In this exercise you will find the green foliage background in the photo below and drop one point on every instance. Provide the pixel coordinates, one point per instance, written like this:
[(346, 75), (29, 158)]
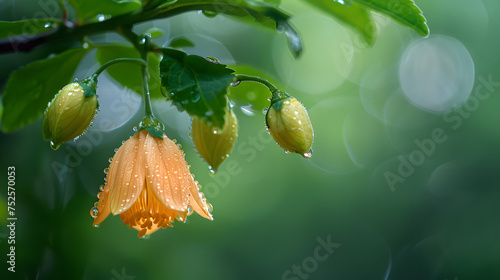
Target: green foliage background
[(270, 208)]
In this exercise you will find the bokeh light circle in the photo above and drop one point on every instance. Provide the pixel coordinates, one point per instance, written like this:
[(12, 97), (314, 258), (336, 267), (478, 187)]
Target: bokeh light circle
[(324, 62), (437, 74)]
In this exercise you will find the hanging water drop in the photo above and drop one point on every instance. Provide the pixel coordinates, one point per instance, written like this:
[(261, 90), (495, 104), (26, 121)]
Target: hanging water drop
[(212, 171), (110, 160), (308, 154), (99, 194), (287, 152), (146, 236), (210, 208), (106, 170), (235, 84), (101, 187), (189, 211), (264, 111), (94, 212), (179, 146), (134, 128)]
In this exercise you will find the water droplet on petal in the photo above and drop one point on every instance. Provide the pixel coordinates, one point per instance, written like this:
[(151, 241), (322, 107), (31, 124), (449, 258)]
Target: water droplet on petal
[(99, 194), (210, 208), (264, 111), (106, 170), (235, 84), (146, 236), (134, 128), (94, 212), (287, 152), (190, 211), (307, 155)]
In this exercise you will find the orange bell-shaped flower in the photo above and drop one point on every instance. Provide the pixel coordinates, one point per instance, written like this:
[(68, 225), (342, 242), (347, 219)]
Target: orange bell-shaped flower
[(149, 185)]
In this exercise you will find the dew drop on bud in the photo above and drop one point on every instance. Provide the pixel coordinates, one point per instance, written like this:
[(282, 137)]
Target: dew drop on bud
[(212, 171), (94, 212), (307, 155), (179, 146), (235, 84), (269, 99), (98, 225), (264, 111), (110, 160), (287, 152), (115, 150), (99, 194), (106, 170), (135, 128)]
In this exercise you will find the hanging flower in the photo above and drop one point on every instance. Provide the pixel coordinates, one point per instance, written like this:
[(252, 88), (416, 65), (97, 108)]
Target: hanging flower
[(149, 185)]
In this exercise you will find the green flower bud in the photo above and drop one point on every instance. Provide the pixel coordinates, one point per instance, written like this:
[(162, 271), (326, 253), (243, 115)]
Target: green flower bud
[(70, 112), (289, 124), (214, 144)]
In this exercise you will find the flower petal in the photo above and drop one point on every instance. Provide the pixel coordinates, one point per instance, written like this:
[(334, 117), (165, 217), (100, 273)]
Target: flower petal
[(167, 173), (198, 204), (127, 173)]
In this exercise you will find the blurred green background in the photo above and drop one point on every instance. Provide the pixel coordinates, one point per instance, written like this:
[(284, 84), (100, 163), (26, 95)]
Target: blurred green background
[(437, 217)]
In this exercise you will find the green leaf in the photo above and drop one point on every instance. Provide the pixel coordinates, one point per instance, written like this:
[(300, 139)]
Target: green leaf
[(196, 85), (29, 90), (27, 27), (129, 75), (261, 12), (88, 10), (404, 12), (354, 15)]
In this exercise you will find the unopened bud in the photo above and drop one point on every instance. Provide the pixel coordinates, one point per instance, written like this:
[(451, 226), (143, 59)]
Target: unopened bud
[(215, 144), (70, 112), (289, 124)]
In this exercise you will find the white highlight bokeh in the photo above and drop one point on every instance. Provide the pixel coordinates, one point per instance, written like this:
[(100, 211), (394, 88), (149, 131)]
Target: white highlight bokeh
[(437, 74)]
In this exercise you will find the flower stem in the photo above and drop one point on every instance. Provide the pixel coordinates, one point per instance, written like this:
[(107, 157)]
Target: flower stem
[(143, 47), (120, 60), (245, 78)]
